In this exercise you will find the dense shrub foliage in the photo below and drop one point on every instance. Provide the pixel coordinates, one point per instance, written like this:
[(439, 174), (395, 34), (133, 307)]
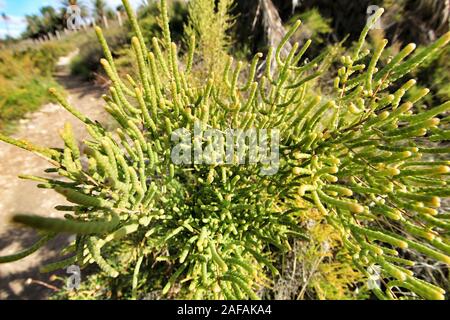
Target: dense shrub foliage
[(358, 156), (85, 64)]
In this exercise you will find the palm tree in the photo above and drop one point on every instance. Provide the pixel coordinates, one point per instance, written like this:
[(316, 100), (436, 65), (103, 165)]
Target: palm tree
[(99, 9), (51, 21), (35, 26)]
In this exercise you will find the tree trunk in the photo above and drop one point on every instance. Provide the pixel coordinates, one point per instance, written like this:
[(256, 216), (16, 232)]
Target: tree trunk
[(273, 25)]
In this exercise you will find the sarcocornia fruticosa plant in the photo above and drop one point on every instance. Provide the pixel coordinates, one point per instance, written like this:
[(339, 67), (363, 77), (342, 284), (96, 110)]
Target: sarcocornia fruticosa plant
[(361, 154)]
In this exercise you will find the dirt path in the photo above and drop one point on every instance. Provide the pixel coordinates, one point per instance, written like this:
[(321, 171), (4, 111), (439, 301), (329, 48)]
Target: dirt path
[(20, 196)]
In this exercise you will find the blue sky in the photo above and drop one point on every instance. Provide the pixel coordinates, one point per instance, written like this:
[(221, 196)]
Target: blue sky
[(17, 9)]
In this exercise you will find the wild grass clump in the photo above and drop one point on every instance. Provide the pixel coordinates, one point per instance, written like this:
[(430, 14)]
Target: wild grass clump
[(25, 78)]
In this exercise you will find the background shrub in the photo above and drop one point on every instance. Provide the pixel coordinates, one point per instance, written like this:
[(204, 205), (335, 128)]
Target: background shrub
[(25, 78)]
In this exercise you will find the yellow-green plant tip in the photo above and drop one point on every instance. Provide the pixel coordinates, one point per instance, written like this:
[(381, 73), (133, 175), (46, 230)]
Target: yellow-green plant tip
[(26, 252), (435, 202), (393, 171), (356, 208), (442, 169), (446, 37)]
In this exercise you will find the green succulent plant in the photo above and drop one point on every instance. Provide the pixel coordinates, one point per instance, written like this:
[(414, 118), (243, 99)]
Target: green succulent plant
[(359, 156)]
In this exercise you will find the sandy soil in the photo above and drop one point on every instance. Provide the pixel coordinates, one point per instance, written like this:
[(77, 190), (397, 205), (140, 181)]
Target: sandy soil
[(20, 280)]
